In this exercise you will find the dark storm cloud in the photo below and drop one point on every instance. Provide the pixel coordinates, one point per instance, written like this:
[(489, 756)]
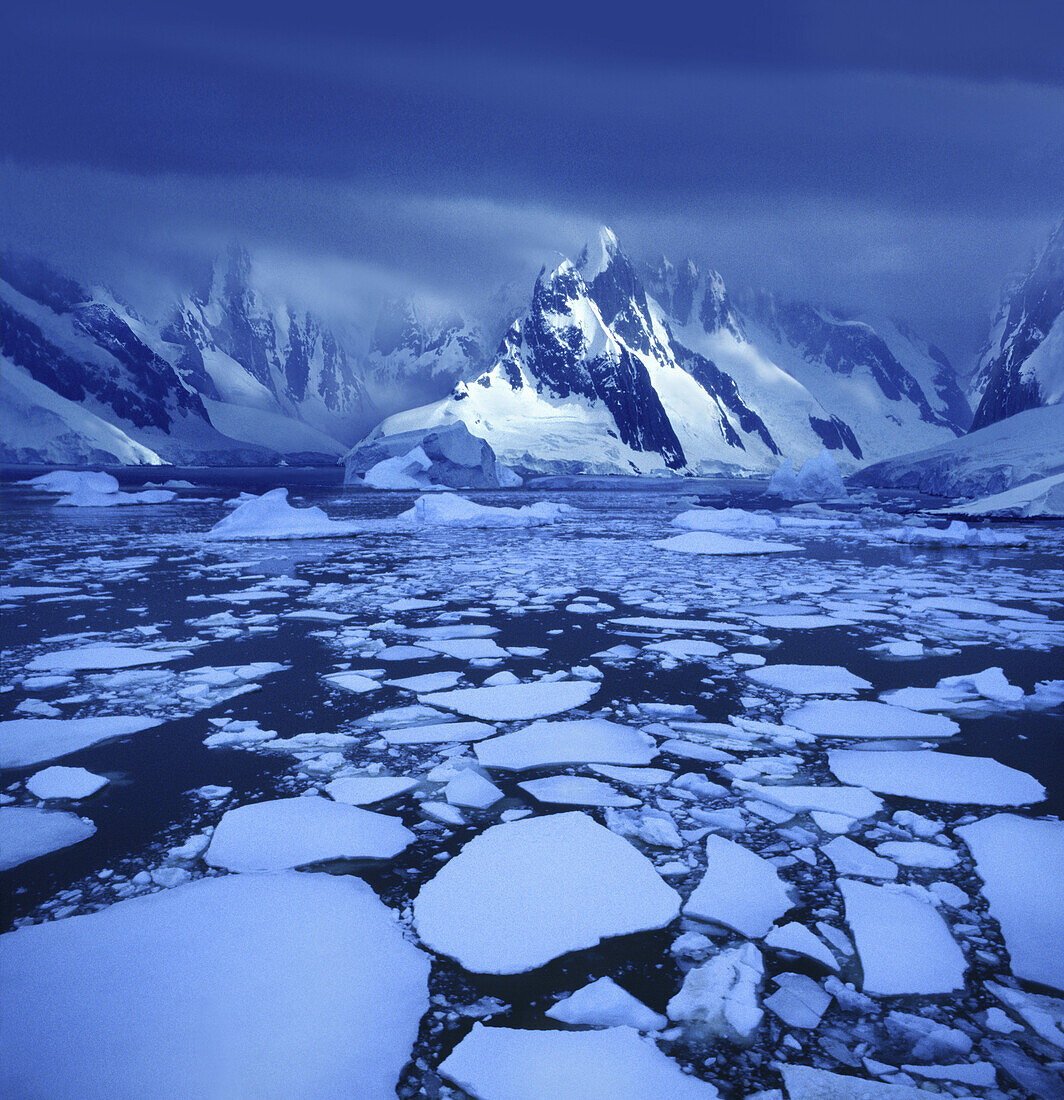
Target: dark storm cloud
[(905, 156)]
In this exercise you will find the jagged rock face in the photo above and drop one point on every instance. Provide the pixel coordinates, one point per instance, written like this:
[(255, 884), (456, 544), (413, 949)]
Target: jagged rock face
[(1022, 365), (88, 351), (569, 349), (292, 356), (414, 357)]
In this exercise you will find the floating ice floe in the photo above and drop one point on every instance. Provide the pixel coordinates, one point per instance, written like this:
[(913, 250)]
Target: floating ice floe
[(1021, 862), (918, 853), (525, 892), (808, 1083), (516, 702), (977, 693), (617, 1063), (73, 481), (956, 534), (685, 649), (849, 802), (853, 719), (471, 790), (850, 858), (27, 832), (578, 741), (903, 943), (364, 790), (26, 741), (270, 516), (296, 832), (719, 998), (101, 656), (576, 790), (452, 510), (712, 542), (634, 777), (818, 479), (244, 951), (799, 1001), (797, 939), (604, 1003), (934, 776), (439, 732), (725, 519), (808, 679), (354, 682), (1041, 498), (432, 681), (60, 782), (739, 890)]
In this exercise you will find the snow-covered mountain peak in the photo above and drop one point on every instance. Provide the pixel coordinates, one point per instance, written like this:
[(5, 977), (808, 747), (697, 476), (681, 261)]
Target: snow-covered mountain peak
[(598, 254)]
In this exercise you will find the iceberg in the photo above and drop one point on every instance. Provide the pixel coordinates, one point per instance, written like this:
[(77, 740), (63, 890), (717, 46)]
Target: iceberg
[(452, 510), (270, 516)]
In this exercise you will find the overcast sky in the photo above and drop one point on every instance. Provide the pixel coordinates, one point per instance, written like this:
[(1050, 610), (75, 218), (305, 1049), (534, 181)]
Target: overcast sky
[(905, 157)]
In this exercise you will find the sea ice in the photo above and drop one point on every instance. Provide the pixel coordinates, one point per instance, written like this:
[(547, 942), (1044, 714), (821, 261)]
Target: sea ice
[(818, 479), (1021, 862), (577, 741), (517, 702), (576, 790), (918, 853), (799, 1001), (525, 892), (808, 1083), (604, 1003), (270, 516), (353, 682), (903, 943), (798, 939), (617, 1063), (850, 858), (711, 542), (471, 790), (26, 741), (439, 732), (635, 777), (295, 832), (725, 519), (935, 776), (851, 802), (808, 679), (719, 998), (273, 986), (95, 657), (27, 832), (364, 790), (853, 719), (60, 782), (740, 890), (452, 510)]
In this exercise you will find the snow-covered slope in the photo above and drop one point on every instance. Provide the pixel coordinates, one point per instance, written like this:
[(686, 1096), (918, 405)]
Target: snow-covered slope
[(1022, 365), (1021, 449), (235, 347), (95, 389), (613, 372), (590, 380)]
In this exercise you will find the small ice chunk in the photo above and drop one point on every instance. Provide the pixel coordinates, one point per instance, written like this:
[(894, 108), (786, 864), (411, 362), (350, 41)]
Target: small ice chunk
[(27, 832), (515, 702), (604, 1003), (798, 939), (576, 741), (576, 790), (525, 892), (617, 1063), (918, 853), (635, 777), (808, 679), (364, 790), (740, 890), (850, 858), (710, 542), (799, 1001), (852, 802), (719, 998), (903, 943), (295, 832), (856, 719), (60, 782), (935, 776), (980, 1074), (353, 682), (471, 790), (438, 732), (808, 1083)]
